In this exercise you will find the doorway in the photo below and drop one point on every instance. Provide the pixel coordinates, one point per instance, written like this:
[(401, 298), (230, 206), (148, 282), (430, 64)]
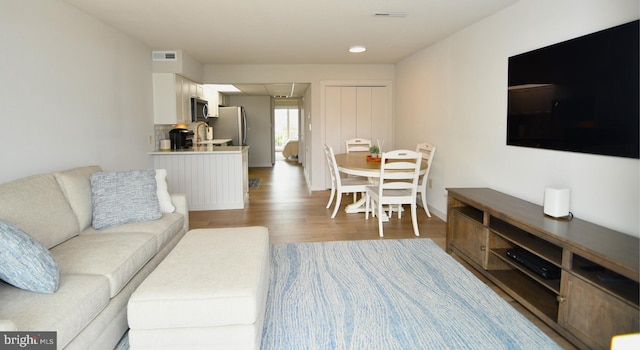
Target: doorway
[(286, 128)]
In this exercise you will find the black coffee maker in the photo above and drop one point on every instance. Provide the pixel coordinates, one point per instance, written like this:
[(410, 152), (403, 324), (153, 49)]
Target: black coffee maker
[(181, 138)]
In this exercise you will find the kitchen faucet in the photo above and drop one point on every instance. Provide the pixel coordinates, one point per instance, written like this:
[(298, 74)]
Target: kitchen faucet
[(198, 128)]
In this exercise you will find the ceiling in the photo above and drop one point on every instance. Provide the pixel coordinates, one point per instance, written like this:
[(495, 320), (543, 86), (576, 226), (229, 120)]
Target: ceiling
[(288, 90), (290, 31)]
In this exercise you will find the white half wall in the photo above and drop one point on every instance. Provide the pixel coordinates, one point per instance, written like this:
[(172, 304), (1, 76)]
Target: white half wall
[(75, 92), (454, 94)]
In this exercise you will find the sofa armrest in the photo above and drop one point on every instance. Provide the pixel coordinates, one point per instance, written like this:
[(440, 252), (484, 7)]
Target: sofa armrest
[(180, 202)]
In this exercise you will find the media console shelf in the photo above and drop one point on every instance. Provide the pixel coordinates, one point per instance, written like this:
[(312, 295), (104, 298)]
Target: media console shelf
[(588, 290)]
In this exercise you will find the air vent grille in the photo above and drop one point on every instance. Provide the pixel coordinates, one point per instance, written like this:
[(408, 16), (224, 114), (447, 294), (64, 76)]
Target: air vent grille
[(390, 14), (164, 56)]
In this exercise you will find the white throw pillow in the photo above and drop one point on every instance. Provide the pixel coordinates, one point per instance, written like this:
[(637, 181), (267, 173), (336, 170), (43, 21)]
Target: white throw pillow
[(166, 206)]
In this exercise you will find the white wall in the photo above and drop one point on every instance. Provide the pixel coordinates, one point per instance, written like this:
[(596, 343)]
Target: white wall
[(306, 137), (314, 161), (454, 94), (75, 92)]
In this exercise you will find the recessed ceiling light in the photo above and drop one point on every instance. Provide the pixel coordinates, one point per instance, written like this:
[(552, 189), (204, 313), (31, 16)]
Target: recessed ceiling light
[(357, 49)]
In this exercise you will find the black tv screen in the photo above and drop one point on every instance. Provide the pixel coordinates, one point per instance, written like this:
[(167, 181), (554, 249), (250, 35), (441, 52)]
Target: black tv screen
[(580, 95)]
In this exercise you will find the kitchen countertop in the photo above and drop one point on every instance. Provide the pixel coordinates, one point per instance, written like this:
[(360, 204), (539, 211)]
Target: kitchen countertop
[(202, 149), (215, 142)]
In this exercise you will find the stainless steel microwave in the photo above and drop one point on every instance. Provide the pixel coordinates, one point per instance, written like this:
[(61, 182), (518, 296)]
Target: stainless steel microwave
[(199, 110)]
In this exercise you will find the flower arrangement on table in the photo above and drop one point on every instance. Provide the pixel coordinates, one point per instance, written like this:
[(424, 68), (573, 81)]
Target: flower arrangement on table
[(375, 154)]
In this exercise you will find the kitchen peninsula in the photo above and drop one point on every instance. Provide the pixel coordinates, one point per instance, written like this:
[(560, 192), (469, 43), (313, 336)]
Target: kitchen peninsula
[(212, 177)]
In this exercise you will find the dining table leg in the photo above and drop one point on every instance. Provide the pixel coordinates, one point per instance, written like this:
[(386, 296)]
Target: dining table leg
[(360, 207)]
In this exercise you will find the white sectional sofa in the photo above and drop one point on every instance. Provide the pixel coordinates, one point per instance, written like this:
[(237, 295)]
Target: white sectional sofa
[(98, 269)]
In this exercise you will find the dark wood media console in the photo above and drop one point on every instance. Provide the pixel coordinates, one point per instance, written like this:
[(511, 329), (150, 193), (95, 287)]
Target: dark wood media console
[(597, 294)]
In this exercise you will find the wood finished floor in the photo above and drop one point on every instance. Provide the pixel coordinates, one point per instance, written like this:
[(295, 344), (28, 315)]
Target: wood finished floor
[(292, 213)]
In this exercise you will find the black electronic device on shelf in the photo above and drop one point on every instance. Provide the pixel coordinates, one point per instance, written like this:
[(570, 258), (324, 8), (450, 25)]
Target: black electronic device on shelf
[(534, 263)]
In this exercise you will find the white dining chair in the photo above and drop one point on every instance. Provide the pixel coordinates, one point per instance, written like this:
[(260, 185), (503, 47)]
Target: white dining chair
[(340, 185), (428, 152), (398, 183), (358, 145)]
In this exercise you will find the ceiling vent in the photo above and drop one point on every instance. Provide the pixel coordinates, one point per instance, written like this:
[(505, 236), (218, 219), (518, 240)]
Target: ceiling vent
[(390, 14), (164, 56)]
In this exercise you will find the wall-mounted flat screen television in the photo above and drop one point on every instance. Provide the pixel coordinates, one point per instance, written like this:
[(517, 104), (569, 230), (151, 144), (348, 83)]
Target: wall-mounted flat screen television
[(580, 95)]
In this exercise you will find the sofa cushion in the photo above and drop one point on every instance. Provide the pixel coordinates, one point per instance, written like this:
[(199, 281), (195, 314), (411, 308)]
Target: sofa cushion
[(164, 229), (25, 263), (124, 197), (166, 206), (38, 207), (78, 300), (76, 186), (117, 256)]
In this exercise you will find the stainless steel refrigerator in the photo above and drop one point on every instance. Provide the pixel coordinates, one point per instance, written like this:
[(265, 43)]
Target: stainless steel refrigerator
[(231, 123)]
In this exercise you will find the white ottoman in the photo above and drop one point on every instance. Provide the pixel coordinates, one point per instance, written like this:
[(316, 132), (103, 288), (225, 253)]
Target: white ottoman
[(209, 293)]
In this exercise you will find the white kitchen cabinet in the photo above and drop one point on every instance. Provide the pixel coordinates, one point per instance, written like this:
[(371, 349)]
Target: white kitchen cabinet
[(199, 91), (167, 99), (172, 98), (212, 96), (195, 89), (185, 98), (223, 100)]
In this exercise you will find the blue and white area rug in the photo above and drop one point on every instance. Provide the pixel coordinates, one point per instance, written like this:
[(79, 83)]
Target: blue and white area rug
[(386, 294)]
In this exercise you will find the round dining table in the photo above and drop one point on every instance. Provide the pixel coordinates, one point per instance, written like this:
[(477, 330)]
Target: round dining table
[(357, 163)]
